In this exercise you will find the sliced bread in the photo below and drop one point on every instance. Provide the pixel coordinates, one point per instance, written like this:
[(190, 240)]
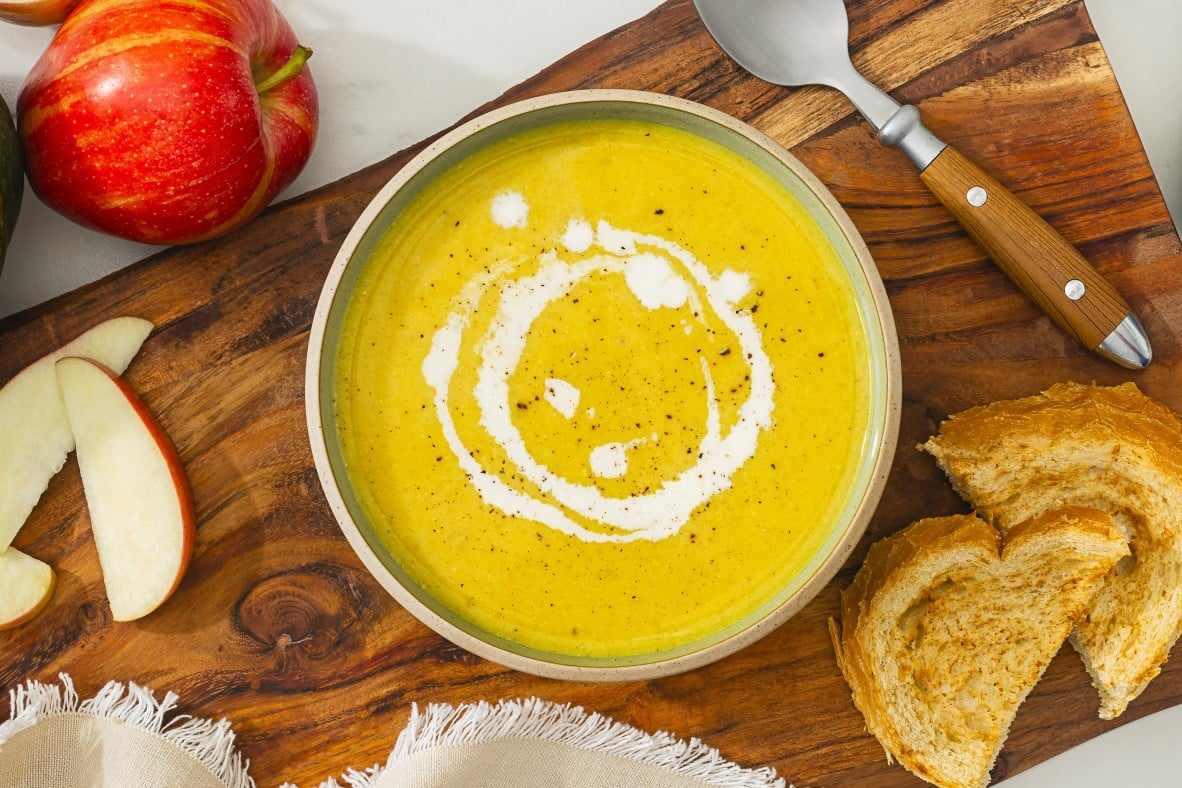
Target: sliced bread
[(948, 625), (1111, 448)]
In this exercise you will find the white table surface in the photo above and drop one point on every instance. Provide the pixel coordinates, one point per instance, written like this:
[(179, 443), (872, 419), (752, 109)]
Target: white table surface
[(391, 72)]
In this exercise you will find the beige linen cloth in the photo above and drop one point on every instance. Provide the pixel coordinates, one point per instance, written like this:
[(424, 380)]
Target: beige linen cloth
[(124, 737)]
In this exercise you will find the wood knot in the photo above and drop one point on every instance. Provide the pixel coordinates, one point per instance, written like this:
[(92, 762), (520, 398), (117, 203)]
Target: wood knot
[(91, 616), (304, 613)]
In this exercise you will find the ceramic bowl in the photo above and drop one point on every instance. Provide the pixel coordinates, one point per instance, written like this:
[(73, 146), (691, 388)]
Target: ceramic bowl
[(882, 373)]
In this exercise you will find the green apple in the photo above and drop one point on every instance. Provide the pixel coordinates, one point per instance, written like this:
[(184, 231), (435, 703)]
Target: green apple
[(12, 178)]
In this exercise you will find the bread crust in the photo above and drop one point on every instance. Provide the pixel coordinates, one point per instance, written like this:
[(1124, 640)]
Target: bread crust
[(1057, 560), (1109, 447)]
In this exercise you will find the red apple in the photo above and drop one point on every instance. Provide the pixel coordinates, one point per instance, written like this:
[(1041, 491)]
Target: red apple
[(167, 122), (26, 586), (35, 12), (35, 430), (140, 504)]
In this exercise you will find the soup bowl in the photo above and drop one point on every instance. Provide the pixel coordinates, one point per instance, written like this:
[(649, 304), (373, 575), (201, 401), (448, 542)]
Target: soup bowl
[(735, 398)]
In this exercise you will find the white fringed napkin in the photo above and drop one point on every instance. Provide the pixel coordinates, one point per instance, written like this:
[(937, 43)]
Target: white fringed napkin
[(120, 737), (117, 738)]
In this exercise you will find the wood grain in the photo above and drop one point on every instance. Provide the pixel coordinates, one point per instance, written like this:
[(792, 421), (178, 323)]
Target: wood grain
[(279, 628)]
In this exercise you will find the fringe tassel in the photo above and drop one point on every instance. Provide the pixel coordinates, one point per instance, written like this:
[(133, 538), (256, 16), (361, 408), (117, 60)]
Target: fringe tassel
[(210, 743), (442, 725), (439, 725), (354, 778)]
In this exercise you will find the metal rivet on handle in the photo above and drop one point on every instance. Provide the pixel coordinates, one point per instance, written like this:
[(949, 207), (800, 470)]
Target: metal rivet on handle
[(976, 196), (1074, 289)]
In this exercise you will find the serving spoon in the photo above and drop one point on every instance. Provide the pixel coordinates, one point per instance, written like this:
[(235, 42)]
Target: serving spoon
[(805, 42)]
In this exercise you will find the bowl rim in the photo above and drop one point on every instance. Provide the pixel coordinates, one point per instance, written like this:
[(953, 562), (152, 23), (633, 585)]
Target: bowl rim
[(884, 445)]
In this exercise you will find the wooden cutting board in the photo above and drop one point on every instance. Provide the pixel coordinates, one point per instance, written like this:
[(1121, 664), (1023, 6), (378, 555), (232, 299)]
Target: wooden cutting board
[(278, 627)]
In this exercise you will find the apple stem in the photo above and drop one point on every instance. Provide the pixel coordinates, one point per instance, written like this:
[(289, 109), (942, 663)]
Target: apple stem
[(293, 66)]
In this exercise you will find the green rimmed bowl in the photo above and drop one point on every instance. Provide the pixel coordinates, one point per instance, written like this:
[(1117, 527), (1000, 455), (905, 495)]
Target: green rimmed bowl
[(877, 335)]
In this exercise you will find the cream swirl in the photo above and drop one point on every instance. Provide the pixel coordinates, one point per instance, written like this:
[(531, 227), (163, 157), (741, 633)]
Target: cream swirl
[(660, 274)]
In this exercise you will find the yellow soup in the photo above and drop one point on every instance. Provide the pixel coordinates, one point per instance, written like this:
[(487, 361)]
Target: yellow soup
[(602, 389)]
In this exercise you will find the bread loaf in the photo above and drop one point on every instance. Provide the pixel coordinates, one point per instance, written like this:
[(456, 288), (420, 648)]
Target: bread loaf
[(1111, 448), (948, 625)]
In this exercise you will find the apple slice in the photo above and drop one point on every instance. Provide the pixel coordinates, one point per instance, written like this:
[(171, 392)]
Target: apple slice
[(36, 433), (141, 508), (36, 12), (26, 585)]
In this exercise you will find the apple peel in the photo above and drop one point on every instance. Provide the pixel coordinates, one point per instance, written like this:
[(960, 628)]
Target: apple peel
[(36, 13), (37, 436), (140, 503)]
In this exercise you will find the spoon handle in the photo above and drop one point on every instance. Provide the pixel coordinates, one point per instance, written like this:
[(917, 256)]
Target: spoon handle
[(1036, 257)]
